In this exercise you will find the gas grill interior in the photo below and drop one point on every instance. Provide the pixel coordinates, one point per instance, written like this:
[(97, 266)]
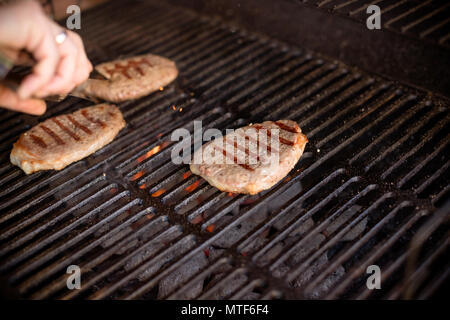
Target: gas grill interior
[(372, 187)]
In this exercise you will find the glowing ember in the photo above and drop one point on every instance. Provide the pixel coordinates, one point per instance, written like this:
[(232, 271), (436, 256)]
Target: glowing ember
[(174, 108), (287, 179), (137, 175), (231, 194), (206, 252), (181, 109), (142, 186), (210, 228), (149, 216), (161, 88), (113, 190), (187, 174), (193, 186), (152, 151), (197, 219), (158, 193), (159, 135)]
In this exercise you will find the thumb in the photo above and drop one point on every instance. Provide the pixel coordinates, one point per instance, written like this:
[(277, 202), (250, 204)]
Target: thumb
[(10, 100)]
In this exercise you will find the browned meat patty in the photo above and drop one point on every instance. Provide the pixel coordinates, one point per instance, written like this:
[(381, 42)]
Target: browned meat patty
[(248, 167), (59, 141), (129, 78)]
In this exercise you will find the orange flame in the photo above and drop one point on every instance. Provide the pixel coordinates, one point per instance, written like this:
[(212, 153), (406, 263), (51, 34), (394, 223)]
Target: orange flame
[(158, 193), (152, 151), (187, 174), (193, 186), (137, 175), (210, 228)]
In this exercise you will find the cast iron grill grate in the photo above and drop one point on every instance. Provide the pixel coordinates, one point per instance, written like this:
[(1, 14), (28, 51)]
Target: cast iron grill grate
[(374, 173), (428, 20)]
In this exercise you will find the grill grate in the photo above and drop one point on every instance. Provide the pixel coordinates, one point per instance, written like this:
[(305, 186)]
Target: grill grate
[(428, 20), (374, 173)]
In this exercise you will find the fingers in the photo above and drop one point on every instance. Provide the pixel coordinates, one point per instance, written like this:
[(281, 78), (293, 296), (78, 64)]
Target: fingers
[(46, 53), (59, 67), (73, 67), (23, 25), (10, 100), (62, 81), (84, 66)]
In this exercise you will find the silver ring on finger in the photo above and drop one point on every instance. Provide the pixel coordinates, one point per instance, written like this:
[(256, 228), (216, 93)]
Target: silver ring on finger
[(61, 37)]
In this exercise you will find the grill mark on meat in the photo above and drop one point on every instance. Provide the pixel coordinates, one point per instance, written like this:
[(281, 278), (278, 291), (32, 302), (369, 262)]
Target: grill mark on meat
[(285, 127), (285, 147), (247, 141), (234, 159), (89, 118), (145, 60), (136, 65), (66, 130), (49, 145), (78, 125), (244, 149), (269, 134), (130, 64), (247, 152), (285, 141), (38, 141), (269, 148), (118, 68), (53, 135)]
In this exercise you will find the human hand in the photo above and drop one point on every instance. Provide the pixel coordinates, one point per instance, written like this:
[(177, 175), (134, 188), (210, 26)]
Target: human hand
[(59, 67)]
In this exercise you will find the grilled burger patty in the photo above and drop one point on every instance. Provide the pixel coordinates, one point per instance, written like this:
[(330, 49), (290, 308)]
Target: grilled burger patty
[(129, 78), (59, 141), (238, 174)]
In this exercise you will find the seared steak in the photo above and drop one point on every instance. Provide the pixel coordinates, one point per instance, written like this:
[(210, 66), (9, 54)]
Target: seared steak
[(129, 78), (59, 141), (246, 162)]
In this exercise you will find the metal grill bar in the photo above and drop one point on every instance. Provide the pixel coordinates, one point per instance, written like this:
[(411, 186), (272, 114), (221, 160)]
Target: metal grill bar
[(141, 227), (425, 19)]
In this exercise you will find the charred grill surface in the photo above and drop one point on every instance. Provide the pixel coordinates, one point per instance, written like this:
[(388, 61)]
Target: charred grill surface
[(427, 20), (371, 187), (411, 46)]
